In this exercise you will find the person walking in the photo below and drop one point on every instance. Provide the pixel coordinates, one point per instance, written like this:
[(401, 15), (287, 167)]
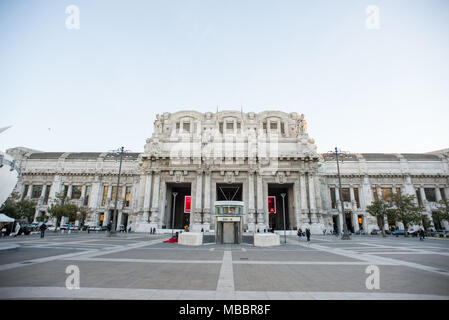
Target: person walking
[(308, 234), (421, 234), (299, 234), (43, 227)]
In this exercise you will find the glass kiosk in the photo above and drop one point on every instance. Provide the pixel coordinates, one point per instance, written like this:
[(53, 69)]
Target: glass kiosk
[(228, 221)]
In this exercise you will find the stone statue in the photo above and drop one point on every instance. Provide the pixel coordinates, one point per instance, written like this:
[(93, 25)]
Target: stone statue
[(301, 124), (158, 125)]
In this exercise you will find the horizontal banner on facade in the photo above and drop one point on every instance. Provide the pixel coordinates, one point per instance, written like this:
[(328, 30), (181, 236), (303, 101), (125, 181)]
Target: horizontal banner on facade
[(228, 219)]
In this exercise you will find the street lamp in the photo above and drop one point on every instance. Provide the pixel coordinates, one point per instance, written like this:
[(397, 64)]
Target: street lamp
[(173, 217), (337, 152), (283, 212), (121, 152)]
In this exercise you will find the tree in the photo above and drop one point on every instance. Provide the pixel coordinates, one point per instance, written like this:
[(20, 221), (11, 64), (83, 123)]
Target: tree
[(19, 209), (380, 209), (83, 212), (443, 210), (62, 209), (406, 210)]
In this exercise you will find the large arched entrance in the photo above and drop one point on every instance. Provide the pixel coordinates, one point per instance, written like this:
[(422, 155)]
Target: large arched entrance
[(181, 207)]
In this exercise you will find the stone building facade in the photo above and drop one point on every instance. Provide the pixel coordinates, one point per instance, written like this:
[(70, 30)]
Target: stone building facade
[(267, 160)]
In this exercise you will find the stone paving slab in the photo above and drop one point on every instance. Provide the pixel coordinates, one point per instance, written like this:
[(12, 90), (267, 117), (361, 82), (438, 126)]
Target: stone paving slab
[(433, 260), (24, 254), (336, 278), (116, 275), (166, 254), (290, 256)]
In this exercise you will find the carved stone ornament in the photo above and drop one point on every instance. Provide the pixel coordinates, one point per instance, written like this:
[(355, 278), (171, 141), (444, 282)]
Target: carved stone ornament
[(229, 177), (179, 177), (280, 178), (155, 148)]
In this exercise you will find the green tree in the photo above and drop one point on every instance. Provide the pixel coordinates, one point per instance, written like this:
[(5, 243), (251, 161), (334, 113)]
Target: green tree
[(61, 209), (19, 209), (406, 210), (443, 210), (83, 212), (380, 209)]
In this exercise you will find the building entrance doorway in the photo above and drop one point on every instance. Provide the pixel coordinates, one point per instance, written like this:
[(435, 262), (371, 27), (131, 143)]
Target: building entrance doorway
[(181, 206), (335, 224), (275, 206), (348, 220)]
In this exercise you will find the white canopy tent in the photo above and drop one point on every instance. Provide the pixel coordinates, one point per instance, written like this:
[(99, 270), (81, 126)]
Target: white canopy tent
[(4, 218)]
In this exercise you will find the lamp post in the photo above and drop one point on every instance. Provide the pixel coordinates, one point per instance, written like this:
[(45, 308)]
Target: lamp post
[(173, 217), (283, 212), (115, 154), (345, 235)]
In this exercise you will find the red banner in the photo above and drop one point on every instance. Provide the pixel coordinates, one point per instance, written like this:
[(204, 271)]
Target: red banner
[(187, 201), (272, 204)]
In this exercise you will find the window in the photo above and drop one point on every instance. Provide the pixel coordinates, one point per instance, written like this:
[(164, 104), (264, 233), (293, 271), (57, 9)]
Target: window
[(386, 193), (76, 192), (273, 125), (177, 127), (47, 194), (282, 128), (333, 199), (105, 195), (239, 126), (36, 191), (443, 194), (220, 127), (356, 196), (264, 127), (345, 194), (229, 125), (430, 194), (186, 126), (114, 191), (128, 196)]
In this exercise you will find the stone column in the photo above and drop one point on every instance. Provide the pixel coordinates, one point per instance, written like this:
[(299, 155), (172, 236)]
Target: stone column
[(28, 195), (296, 199), (260, 200), (198, 202), (312, 199), (353, 203), (106, 217), (69, 191), (303, 194), (119, 220), (155, 200), (355, 222), (438, 194), (207, 209), (423, 195), (251, 209), (147, 196)]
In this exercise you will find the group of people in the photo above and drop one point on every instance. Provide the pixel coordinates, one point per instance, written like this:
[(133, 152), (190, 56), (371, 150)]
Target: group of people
[(301, 234)]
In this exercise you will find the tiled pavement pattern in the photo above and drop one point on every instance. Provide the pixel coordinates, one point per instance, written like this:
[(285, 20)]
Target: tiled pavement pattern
[(135, 266)]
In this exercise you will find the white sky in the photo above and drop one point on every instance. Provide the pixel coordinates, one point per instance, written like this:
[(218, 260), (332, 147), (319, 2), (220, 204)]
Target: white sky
[(100, 87)]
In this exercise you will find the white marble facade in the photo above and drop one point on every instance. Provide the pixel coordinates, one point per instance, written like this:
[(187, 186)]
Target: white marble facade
[(254, 151)]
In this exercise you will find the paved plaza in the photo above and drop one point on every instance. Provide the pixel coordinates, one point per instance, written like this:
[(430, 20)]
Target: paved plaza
[(138, 266)]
